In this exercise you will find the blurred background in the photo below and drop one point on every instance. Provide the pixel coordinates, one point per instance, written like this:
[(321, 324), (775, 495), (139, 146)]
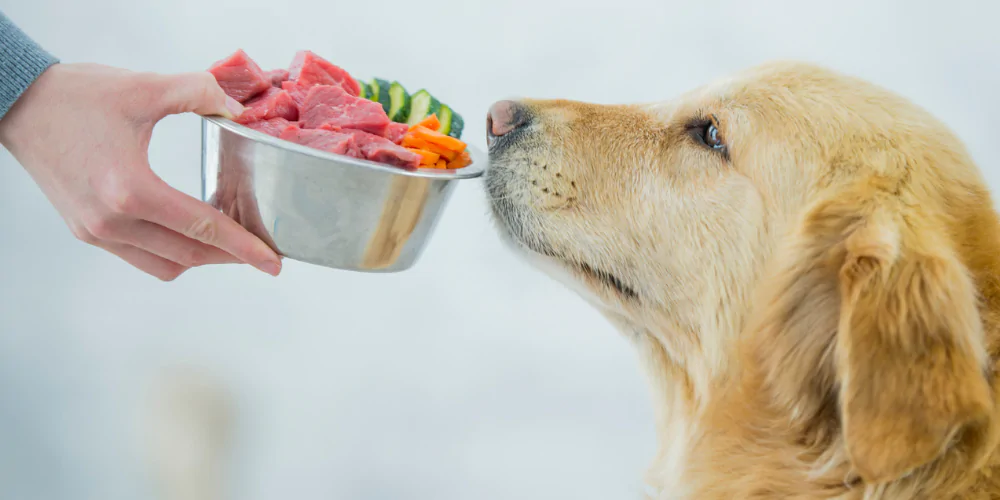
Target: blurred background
[(470, 376)]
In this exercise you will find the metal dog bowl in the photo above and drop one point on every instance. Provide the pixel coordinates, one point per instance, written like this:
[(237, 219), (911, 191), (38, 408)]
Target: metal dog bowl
[(321, 208)]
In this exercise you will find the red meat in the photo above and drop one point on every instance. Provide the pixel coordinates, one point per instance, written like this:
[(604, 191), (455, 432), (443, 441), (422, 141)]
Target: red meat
[(274, 103), (331, 106), (274, 126), (277, 76), (325, 140), (309, 69), (383, 150), (298, 92), (395, 132), (240, 77)]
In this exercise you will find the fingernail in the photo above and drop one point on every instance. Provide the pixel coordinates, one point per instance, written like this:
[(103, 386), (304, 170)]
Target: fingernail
[(272, 268), (234, 107)]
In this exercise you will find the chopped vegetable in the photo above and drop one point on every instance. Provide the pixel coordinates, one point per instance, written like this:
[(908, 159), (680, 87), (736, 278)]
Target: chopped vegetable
[(437, 150), (435, 137), (434, 128), (426, 157), (402, 107), (463, 160), (457, 124), (430, 122), (399, 103), (445, 117), (411, 141), (364, 92), (422, 104), (380, 93)]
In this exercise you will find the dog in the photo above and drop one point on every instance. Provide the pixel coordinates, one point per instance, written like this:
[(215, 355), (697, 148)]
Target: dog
[(807, 263)]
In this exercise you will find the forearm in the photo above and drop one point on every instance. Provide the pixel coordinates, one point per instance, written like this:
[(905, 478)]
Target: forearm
[(21, 62)]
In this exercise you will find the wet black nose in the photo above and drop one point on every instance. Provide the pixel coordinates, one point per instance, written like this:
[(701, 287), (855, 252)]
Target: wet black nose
[(504, 117)]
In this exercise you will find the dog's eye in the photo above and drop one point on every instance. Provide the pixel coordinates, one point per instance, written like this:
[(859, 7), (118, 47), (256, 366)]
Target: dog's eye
[(706, 132), (710, 136)]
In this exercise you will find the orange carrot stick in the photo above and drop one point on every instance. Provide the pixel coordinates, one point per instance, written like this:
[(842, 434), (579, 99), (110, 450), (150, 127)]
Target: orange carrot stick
[(435, 137), (430, 122), (426, 157), (411, 141), (463, 160)]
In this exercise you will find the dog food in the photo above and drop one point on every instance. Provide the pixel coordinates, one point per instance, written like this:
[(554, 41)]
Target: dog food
[(272, 103), (277, 76), (332, 106), (274, 126), (240, 77), (317, 104), (308, 69), (320, 139)]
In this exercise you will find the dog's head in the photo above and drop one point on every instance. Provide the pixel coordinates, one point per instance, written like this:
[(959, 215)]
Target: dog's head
[(805, 226)]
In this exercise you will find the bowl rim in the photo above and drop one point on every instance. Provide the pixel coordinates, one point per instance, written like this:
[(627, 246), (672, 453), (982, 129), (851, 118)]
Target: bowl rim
[(476, 169)]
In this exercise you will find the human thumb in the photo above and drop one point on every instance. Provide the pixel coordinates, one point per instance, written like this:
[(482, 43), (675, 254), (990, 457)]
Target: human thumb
[(197, 93)]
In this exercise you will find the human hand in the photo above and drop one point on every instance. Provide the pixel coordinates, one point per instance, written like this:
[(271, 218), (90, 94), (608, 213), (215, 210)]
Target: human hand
[(82, 132)]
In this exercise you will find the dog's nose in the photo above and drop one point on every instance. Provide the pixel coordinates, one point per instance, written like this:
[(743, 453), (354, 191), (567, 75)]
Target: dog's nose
[(504, 117)]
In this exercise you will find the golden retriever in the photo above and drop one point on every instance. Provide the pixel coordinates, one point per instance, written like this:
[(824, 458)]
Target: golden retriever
[(808, 264)]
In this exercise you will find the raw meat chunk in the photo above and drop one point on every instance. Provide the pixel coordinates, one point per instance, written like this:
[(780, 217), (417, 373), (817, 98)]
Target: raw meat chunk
[(325, 140), (277, 76), (309, 69), (395, 132), (240, 77), (354, 150), (394, 155), (332, 106), (274, 103), (274, 126), (383, 150), (298, 92)]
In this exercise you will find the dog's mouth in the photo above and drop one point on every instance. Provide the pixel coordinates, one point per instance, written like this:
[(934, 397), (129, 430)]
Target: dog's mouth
[(519, 233), (505, 211), (609, 280), (599, 276)]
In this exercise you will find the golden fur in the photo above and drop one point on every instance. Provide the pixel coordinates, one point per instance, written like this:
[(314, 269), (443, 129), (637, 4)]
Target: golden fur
[(817, 306)]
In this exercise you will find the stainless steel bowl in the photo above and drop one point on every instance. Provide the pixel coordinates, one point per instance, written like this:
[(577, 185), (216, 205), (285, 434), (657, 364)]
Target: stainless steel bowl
[(322, 208)]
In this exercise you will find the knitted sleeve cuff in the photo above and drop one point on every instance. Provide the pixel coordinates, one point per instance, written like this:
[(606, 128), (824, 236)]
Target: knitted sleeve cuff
[(22, 61)]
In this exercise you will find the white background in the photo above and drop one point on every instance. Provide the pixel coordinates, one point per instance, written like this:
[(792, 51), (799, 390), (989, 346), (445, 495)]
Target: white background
[(471, 376)]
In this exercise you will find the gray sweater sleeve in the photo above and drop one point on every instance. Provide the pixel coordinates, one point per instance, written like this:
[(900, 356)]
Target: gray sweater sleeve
[(21, 62)]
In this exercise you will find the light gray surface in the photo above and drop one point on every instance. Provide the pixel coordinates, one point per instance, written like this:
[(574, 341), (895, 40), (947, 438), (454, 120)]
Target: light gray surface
[(470, 376)]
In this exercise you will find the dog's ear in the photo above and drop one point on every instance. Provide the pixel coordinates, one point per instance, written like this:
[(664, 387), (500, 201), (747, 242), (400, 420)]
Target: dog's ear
[(910, 356), (872, 320)]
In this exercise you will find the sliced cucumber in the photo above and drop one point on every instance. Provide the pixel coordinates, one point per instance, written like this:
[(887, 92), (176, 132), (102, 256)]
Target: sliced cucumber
[(422, 105), (444, 116), (365, 92), (457, 124), (399, 103), (380, 93)]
